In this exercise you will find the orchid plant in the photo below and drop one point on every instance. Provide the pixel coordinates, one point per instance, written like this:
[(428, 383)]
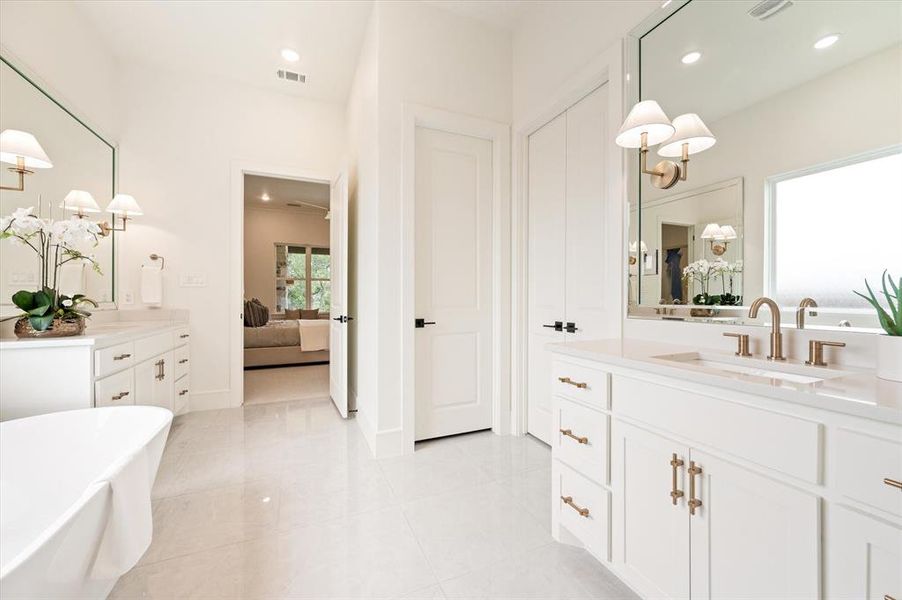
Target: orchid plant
[(56, 243), (704, 271)]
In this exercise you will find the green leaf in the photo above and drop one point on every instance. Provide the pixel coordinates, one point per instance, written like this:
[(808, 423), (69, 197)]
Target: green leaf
[(42, 303), (24, 299), (41, 323)]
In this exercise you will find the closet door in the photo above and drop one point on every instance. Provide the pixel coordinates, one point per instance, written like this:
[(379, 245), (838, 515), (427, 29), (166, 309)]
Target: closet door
[(546, 268), (592, 286)]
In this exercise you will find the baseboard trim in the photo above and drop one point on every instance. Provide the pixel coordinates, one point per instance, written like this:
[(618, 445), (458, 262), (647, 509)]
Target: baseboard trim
[(383, 444), (212, 400)]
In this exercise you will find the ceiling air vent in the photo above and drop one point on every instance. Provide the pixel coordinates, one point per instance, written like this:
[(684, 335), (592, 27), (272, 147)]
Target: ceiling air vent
[(291, 76), (768, 8)]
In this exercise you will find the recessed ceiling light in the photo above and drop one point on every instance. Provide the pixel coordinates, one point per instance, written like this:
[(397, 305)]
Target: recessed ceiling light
[(691, 58), (826, 41), (290, 55), (265, 197)]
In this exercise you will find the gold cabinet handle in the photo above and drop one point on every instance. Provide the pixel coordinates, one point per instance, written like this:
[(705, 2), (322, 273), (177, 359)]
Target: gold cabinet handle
[(183, 361), (184, 335), (888, 597), (183, 392), (569, 381), (119, 396), (569, 434), (694, 502), (675, 463), (892, 483), (122, 356), (568, 500)]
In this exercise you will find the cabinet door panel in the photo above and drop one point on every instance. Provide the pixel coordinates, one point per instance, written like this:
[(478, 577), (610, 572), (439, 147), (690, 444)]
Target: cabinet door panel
[(752, 537), (651, 533), (864, 557)]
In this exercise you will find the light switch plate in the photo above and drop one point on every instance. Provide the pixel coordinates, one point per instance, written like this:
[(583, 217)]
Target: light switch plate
[(193, 280)]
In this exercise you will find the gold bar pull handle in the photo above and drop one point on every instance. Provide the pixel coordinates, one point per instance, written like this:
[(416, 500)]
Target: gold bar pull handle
[(568, 500), (569, 381), (694, 502), (569, 434), (892, 483), (675, 463), (888, 597)]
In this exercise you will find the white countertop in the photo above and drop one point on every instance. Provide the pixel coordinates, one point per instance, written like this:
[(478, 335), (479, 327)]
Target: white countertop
[(857, 392), (98, 334)]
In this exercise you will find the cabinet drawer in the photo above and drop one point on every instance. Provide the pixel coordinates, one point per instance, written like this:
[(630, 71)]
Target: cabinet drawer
[(586, 448), (781, 442), (182, 394), (114, 358), (862, 463), (583, 509), (580, 383), (181, 336), (115, 390), (181, 356), (149, 347)]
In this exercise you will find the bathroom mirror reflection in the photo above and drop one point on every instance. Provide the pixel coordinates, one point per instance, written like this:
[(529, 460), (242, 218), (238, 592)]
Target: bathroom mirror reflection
[(82, 160), (800, 196)]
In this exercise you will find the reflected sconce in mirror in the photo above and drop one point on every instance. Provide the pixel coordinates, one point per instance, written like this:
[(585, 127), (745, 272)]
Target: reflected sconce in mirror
[(647, 125), (22, 149), (634, 250), (719, 236), (126, 207), (81, 202)]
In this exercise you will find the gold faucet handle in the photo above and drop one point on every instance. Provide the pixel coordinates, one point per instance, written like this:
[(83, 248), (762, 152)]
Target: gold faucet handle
[(742, 343), (816, 352)]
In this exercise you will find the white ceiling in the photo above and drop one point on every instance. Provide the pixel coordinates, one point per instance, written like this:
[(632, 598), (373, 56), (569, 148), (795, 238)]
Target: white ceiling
[(283, 191), (240, 40), (745, 60), (505, 14)]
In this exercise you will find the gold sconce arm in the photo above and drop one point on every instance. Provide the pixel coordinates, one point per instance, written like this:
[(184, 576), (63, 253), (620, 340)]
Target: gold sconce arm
[(22, 171), (666, 173)]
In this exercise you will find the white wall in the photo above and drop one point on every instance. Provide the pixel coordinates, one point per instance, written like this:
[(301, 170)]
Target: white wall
[(263, 229), (180, 139)]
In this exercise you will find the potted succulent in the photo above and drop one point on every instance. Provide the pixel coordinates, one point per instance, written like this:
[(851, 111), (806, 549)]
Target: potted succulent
[(47, 312), (889, 346)]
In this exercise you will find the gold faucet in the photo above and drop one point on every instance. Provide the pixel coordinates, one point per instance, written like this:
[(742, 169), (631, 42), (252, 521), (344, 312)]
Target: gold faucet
[(800, 311), (776, 337)]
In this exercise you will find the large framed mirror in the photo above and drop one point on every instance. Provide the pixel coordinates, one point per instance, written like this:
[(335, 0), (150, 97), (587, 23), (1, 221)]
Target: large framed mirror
[(801, 196), (82, 160)]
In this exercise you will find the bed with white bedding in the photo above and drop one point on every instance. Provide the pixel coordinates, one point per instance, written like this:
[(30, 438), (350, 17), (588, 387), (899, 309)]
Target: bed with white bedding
[(287, 342)]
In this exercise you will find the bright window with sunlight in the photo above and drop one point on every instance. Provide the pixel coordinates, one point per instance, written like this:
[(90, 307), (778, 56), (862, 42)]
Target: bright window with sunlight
[(834, 228), (303, 278)]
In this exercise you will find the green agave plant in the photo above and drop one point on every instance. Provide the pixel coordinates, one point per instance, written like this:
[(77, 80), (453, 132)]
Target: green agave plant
[(890, 317)]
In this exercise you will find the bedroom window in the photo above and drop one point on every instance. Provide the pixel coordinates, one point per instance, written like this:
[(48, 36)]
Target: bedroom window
[(303, 278)]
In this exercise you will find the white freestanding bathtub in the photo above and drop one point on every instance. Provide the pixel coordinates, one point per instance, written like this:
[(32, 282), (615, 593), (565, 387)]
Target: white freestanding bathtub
[(75, 498)]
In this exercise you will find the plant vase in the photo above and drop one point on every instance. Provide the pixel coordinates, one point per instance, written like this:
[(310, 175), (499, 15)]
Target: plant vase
[(889, 357), (59, 328)]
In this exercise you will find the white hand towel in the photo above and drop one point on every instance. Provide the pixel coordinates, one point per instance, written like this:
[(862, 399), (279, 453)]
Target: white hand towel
[(314, 334), (129, 527), (151, 285)]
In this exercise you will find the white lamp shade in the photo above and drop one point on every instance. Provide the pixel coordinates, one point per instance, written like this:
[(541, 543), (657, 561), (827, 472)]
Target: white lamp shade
[(633, 247), (125, 205), (728, 232), (15, 143), (712, 232), (645, 117), (690, 129), (81, 201)]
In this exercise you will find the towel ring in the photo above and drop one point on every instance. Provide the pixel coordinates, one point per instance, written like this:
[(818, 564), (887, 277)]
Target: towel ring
[(160, 258)]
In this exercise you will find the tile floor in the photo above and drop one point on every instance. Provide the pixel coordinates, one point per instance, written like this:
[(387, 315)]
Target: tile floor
[(284, 500), (279, 384)]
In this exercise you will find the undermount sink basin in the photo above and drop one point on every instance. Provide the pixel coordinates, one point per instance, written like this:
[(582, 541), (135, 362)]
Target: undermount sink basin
[(752, 367)]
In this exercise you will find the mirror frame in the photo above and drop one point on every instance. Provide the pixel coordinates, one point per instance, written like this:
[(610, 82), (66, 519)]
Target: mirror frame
[(33, 79)]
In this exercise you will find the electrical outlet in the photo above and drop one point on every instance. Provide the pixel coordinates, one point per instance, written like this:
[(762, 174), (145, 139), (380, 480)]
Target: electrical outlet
[(128, 297)]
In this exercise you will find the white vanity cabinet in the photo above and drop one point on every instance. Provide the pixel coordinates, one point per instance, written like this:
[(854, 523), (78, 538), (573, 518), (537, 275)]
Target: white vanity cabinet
[(719, 492)]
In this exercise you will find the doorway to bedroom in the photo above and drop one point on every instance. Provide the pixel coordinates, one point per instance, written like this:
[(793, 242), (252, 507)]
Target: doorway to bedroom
[(287, 289)]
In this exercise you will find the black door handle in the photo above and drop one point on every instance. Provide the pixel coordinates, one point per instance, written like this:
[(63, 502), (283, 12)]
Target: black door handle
[(343, 318), (558, 326), (571, 327), (420, 323)]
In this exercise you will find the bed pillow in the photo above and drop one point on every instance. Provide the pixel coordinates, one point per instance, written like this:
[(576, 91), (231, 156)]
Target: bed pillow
[(255, 313), (310, 314), (292, 313)]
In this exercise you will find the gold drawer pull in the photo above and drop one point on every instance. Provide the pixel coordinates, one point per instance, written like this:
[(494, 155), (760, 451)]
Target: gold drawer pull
[(569, 434), (568, 500), (892, 483), (122, 356), (675, 463), (183, 336), (183, 392), (569, 381), (694, 502), (888, 597), (183, 361), (119, 396)]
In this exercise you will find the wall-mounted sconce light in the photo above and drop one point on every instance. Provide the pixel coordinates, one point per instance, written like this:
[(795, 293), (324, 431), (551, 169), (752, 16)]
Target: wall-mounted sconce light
[(719, 236), (634, 251), (647, 125), (126, 207), (20, 148), (81, 202)]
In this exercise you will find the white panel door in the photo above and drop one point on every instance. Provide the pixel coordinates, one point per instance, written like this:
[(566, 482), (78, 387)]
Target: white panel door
[(650, 529), (453, 256), (592, 281), (546, 266), (752, 537), (338, 330), (864, 557)]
